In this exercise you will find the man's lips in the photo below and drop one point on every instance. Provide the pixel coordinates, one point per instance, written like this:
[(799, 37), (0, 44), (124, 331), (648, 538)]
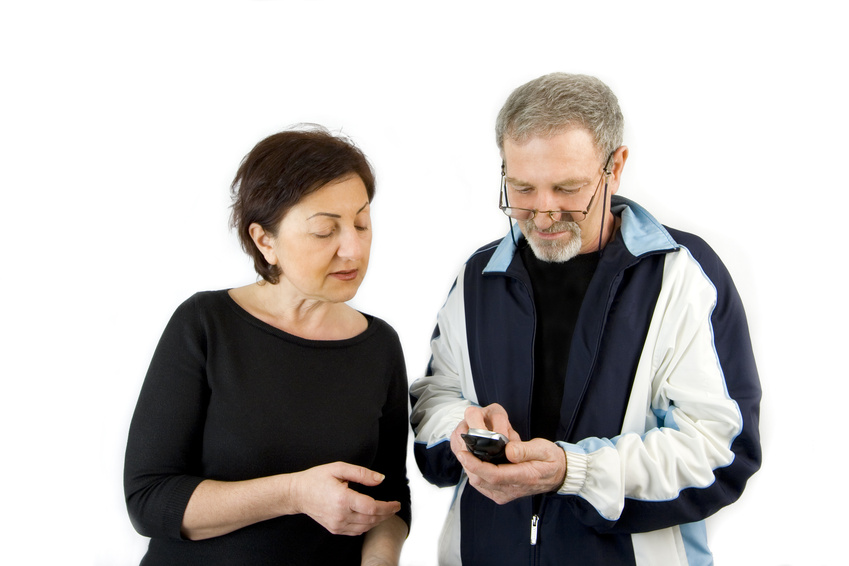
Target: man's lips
[(345, 275), (549, 235)]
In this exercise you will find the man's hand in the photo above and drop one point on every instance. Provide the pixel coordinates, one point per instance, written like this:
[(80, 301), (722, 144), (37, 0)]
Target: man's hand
[(492, 417), (537, 466)]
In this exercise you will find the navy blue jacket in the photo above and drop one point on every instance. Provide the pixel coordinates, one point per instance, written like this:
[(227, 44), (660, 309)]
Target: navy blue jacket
[(659, 418)]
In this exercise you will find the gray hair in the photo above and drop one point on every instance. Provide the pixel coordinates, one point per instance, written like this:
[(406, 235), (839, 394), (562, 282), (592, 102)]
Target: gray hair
[(554, 103)]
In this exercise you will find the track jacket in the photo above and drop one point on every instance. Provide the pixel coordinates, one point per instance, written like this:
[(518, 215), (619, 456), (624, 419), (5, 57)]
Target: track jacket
[(659, 418)]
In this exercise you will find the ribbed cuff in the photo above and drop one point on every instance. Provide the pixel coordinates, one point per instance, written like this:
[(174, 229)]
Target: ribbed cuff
[(576, 473)]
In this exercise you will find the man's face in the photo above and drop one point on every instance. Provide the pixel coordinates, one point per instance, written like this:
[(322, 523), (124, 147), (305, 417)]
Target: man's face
[(561, 172)]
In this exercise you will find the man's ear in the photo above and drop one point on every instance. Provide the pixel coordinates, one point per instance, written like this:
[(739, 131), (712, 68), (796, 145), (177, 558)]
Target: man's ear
[(264, 242), (620, 156)]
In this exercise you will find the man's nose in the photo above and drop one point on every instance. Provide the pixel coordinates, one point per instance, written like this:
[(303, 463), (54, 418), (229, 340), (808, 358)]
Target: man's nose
[(545, 203), (543, 220)]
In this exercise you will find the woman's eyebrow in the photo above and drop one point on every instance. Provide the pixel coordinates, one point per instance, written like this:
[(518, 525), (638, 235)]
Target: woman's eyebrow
[(334, 215)]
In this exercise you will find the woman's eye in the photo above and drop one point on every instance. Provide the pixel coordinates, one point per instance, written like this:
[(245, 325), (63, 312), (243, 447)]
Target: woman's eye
[(323, 234), (362, 228)]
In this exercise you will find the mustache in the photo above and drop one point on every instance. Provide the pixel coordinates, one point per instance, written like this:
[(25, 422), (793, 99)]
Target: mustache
[(558, 226)]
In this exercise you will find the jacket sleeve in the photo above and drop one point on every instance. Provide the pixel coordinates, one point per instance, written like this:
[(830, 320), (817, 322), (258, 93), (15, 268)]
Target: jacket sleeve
[(439, 399), (690, 437), (161, 465)]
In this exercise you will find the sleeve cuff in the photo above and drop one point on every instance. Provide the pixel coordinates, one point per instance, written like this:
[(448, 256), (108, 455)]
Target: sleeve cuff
[(576, 469)]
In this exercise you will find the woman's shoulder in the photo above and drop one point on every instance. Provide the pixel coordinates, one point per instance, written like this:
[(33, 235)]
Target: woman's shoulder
[(379, 324), (384, 344), (203, 300), (200, 305), (380, 329)]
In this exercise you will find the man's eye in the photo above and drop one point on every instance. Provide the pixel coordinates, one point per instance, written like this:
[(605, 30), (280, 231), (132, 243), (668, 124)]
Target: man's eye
[(569, 190), (362, 228)]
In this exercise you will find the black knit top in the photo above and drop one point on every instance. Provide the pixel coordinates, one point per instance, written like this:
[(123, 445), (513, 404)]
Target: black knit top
[(229, 397)]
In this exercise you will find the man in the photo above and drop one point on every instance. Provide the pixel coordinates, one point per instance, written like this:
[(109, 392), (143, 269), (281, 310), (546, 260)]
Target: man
[(611, 351)]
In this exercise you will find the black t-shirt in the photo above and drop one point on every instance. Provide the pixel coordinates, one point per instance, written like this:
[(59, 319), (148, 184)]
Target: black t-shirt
[(559, 290), (229, 397)]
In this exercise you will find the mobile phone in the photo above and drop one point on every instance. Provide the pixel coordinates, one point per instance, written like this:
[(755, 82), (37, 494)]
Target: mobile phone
[(486, 445)]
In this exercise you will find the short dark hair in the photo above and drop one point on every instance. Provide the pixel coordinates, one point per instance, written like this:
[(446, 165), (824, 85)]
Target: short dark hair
[(280, 171)]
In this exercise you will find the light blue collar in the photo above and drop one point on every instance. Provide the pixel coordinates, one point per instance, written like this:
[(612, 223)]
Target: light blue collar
[(641, 232)]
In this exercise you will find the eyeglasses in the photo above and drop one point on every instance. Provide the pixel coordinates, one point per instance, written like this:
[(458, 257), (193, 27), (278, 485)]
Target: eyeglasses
[(555, 215)]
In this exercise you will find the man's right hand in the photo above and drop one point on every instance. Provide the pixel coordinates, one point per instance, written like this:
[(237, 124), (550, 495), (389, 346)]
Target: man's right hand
[(492, 417)]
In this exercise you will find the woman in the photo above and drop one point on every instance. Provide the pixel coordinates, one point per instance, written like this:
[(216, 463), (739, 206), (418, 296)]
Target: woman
[(272, 424)]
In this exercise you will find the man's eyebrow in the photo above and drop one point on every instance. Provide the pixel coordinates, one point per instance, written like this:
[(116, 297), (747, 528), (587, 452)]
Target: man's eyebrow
[(564, 183), (513, 181), (334, 215), (573, 182)]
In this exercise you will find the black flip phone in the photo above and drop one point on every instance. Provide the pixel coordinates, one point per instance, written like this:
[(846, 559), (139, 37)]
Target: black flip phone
[(486, 445)]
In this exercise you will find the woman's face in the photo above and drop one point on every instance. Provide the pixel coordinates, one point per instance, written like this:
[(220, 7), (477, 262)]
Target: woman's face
[(323, 242)]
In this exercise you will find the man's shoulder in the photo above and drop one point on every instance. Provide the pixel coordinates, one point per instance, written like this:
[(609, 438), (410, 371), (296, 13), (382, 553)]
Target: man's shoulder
[(695, 244), (487, 250), (481, 257), (702, 253), (687, 239)]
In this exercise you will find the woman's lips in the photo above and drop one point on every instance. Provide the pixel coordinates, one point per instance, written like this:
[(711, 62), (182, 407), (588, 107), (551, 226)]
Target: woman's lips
[(345, 275)]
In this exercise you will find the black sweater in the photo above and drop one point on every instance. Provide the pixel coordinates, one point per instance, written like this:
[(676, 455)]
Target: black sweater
[(228, 397)]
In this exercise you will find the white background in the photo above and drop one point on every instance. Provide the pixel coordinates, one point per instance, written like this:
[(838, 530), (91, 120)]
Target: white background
[(123, 124)]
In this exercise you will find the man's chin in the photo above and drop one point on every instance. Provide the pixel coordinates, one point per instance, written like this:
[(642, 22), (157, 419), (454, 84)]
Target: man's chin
[(555, 252), (558, 250)]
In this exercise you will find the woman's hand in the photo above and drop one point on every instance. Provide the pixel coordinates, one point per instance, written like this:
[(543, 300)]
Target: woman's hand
[(217, 507), (323, 494)]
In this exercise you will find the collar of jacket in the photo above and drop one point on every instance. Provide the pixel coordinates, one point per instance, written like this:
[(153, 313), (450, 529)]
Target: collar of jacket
[(640, 233)]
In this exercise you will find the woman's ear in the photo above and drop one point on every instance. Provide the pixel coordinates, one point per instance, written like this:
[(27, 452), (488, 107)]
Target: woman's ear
[(264, 242)]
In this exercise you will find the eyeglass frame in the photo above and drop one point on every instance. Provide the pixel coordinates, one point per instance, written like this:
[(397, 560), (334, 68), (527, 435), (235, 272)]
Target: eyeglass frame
[(502, 197)]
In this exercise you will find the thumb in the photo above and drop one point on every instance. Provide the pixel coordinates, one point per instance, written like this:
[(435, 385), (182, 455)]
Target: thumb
[(357, 474), (515, 452), (522, 451)]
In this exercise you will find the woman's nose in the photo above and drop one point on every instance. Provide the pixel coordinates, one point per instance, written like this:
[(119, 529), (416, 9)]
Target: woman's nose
[(353, 245)]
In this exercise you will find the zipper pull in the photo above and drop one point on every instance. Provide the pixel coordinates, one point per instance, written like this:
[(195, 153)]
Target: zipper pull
[(534, 525)]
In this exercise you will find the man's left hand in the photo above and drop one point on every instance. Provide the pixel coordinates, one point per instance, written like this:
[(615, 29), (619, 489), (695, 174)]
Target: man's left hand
[(537, 466)]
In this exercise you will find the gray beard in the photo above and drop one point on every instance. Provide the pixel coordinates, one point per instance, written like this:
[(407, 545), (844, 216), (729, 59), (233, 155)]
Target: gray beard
[(556, 251)]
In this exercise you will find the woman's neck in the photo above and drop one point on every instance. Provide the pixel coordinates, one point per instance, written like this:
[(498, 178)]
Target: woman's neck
[(284, 308)]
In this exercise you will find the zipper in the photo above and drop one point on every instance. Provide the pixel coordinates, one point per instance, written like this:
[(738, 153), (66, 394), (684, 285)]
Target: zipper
[(611, 295), (538, 505)]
